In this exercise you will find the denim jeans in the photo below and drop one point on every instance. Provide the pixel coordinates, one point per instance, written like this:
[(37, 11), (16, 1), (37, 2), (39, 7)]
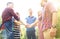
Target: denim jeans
[(4, 34), (7, 32), (31, 35)]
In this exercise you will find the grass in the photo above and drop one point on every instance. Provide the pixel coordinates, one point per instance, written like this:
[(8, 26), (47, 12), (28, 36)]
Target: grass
[(58, 25), (57, 38)]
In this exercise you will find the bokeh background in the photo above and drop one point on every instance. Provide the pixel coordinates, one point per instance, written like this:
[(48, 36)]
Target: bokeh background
[(22, 7)]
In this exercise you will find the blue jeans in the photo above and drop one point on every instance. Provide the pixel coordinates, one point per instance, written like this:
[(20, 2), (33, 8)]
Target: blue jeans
[(8, 32), (31, 35), (4, 34)]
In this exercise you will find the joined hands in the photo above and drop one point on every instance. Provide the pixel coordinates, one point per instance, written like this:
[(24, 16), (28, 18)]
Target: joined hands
[(28, 26)]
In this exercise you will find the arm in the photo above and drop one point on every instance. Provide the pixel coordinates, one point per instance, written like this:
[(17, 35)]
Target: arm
[(22, 22), (39, 20), (33, 24), (13, 14)]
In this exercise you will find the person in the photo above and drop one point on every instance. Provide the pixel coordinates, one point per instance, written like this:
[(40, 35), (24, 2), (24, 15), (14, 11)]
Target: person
[(49, 15), (30, 31), (7, 15), (16, 27), (38, 22), (40, 25)]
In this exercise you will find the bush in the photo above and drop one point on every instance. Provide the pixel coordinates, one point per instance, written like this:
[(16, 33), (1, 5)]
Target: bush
[(58, 24)]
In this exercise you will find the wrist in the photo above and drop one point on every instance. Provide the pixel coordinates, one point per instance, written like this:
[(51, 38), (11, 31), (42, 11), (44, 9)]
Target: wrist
[(54, 26)]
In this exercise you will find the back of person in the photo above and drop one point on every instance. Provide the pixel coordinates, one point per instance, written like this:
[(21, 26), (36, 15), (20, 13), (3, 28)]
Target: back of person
[(16, 29), (16, 32), (47, 19), (7, 15)]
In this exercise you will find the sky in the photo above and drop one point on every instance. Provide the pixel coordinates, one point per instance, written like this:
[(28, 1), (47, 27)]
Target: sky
[(22, 6)]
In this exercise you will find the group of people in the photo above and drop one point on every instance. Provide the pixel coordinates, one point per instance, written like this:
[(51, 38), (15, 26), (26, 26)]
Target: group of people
[(45, 22)]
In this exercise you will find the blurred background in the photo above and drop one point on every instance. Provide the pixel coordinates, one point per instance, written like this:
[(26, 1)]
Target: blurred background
[(22, 7)]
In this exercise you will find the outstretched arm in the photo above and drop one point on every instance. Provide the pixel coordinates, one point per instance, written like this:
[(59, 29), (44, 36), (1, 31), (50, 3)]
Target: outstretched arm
[(39, 20), (22, 22), (31, 25)]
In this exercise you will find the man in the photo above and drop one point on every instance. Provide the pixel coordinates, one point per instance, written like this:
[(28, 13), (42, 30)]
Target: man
[(48, 17), (30, 31), (39, 22), (7, 15)]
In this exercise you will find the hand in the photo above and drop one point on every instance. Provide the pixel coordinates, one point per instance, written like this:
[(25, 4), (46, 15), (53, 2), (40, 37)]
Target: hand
[(28, 26), (0, 31)]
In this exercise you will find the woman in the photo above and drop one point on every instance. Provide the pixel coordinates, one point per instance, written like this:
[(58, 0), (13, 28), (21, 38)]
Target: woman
[(16, 28), (40, 25)]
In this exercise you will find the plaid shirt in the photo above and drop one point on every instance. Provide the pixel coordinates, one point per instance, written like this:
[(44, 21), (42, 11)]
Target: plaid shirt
[(7, 14), (47, 19)]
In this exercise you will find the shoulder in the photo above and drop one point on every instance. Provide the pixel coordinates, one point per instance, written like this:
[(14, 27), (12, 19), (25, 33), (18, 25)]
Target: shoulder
[(34, 17), (50, 5), (9, 9), (5, 10)]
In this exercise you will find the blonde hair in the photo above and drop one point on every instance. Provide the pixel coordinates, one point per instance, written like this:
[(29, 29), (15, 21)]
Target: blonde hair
[(39, 13)]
